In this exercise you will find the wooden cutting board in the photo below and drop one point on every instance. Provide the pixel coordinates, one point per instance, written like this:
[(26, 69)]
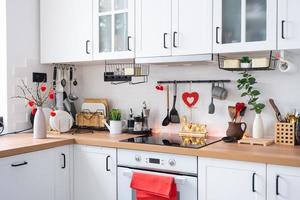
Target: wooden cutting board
[(255, 141)]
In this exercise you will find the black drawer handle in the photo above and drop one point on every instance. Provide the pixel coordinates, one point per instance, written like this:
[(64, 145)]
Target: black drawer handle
[(277, 185), (87, 47), (174, 39), (107, 168), (217, 35), (253, 182), (64, 161), (165, 46), (128, 43), (19, 164), (282, 29)]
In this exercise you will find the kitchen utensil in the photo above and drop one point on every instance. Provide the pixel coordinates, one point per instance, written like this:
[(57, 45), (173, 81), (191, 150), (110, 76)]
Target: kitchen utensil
[(174, 117), (75, 82), (62, 122), (277, 112), (166, 121), (235, 129), (72, 97), (232, 112), (238, 107), (54, 77), (63, 80), (211, 107), (59, 88), (219, 92)]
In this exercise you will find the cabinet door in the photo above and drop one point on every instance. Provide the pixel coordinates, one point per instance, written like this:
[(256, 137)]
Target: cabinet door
[(283, 183), (234, 180), (63, 166), (192, 27), (244, 25), (66, 30), (288, 24), (94, 173), (27, 176), (153, 28), (114, 36)]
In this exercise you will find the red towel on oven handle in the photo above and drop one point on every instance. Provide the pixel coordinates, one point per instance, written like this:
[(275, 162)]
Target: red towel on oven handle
[(153, 187)]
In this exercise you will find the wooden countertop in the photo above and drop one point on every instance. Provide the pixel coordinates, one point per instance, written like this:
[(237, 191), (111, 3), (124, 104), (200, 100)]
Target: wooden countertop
[(274, 154)]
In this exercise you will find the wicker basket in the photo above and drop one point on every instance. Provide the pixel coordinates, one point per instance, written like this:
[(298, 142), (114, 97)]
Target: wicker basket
[(285, 133), (95, 120)]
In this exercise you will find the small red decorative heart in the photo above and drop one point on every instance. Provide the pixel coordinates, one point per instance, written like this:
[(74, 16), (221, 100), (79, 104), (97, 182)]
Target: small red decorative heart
[(190, 99)]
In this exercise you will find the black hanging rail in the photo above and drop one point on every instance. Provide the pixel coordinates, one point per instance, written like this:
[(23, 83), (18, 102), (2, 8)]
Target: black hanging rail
[(193, 81)]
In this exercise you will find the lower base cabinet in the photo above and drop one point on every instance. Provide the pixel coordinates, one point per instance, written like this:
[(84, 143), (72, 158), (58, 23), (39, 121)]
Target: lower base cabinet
[(94, 173), (234, 180), (283, 183)]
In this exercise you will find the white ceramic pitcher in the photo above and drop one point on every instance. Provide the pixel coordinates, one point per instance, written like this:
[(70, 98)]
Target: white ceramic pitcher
[(115, 127)]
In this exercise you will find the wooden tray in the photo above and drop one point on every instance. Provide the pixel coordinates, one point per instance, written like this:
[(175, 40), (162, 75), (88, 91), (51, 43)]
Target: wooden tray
[(254, 141)]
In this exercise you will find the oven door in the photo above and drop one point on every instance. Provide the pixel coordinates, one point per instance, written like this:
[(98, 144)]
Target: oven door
[(186, 185)]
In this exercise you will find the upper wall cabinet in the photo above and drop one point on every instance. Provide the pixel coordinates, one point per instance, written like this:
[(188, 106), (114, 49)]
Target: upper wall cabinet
[(66, 30), (178, 27), (244, 25), (113, 29), (288, 24)]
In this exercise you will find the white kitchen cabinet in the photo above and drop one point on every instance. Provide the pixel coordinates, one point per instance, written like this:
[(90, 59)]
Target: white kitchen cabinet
[(178, 27), (153, 28), (113, 24), (192, 27), (94, 173), (63, 172), (288, 24), (283, 183), (66, 29), (27, 176), (234, 180), (244, 25)]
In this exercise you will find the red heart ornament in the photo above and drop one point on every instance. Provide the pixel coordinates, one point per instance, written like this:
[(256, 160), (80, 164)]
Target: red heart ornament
[(190, 99)]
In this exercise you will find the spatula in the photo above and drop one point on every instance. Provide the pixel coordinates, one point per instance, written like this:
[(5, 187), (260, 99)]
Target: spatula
[(166, 121), (174, 117)]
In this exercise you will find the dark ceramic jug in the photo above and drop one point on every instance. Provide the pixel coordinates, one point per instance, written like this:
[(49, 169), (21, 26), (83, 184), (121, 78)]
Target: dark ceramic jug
[(236, 130)]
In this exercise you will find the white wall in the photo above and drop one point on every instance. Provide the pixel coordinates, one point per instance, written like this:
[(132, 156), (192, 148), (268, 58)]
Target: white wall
[(284, 88), (22, 55)]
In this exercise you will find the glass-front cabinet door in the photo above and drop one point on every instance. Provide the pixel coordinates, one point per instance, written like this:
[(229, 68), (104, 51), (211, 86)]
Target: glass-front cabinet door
[(244, 25), (113, 29)]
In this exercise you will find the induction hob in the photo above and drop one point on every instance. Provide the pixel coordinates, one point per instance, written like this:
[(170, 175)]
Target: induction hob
[(173, 140)]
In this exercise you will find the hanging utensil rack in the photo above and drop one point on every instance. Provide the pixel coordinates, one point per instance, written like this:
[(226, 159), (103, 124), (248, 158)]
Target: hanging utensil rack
[(126, 72), (193, 81)]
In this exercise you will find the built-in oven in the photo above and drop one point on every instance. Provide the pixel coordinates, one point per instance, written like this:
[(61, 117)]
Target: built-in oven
[(182, 168)]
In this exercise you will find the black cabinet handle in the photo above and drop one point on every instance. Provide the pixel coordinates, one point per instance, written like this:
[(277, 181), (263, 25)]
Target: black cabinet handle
[(107, 168), (19, 164), (165, 34), (174, 39), (253, 182), (277, 185), (128, 43), (64, 161), (87, 47), (282, 29), (217, 35)]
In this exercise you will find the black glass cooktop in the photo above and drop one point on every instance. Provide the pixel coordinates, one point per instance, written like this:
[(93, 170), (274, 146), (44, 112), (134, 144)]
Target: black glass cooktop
[(172, 140)]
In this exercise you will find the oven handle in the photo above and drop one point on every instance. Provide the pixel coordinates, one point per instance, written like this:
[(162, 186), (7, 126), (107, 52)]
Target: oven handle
[(178, 180)]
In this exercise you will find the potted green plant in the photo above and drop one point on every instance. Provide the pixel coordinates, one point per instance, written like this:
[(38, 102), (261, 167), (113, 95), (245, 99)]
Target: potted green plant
[(246, 85), (115, 122), (245, 62)]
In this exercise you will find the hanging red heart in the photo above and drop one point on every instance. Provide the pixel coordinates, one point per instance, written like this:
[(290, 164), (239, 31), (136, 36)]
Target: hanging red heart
[(190, 99)]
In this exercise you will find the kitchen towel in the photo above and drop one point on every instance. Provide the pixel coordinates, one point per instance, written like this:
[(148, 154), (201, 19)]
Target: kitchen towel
[(153, 187)]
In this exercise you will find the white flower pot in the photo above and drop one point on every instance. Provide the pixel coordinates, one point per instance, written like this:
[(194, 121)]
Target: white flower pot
[(115, 127), (258, 127), (39, 127), (245, 65)]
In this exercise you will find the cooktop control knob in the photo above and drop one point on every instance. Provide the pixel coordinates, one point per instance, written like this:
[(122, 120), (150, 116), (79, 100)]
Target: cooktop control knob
[(172, 162), (138, 158)]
